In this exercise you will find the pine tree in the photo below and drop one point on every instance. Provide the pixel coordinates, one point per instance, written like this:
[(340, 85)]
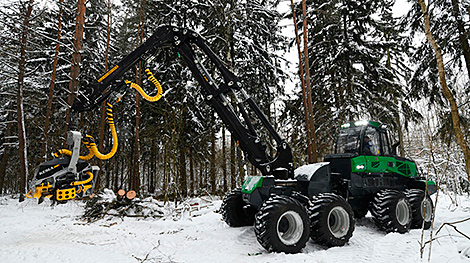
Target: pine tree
[(76, 56), (428, 82), (53, 80), (350, 77), (24, 59)]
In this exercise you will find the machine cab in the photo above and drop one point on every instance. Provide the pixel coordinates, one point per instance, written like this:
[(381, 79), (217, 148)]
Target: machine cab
[(363, 138), (363, 147)]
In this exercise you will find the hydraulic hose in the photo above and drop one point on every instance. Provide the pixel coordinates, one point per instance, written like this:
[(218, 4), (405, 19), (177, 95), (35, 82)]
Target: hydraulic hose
[(91, 145), (69, 153), (90, 142), (142, 92), (84, 181)]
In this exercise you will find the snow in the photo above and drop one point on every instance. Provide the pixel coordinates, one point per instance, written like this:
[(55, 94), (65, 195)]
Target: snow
[(307, 171), (401, 7), (40, 233)]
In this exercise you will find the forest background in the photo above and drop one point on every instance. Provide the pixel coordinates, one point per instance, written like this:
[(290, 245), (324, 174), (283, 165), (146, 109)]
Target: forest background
[(364, 63)]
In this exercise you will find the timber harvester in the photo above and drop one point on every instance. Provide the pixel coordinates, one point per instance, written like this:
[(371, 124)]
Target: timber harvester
[(286, 206)]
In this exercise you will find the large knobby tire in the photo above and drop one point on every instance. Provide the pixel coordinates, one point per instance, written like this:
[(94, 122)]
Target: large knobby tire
[(233, 211), (391, 211), (282, 225), (332, 220), (421, 208)]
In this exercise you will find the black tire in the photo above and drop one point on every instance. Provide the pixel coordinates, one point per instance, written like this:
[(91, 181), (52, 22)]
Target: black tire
[(332, 221), (391, 211), (282, 225), (233, 211), (421, 208)]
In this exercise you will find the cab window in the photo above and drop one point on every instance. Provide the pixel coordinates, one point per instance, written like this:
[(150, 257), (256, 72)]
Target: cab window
[(385, 143), (348, 140), (371, 142)]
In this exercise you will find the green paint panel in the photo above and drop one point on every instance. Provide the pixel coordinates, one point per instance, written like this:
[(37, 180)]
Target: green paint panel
[(382, 164), (375, 123), (430, 182), (251, 183)]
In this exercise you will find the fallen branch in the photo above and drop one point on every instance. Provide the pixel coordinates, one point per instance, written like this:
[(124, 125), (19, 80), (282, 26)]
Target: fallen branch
[(454, 227), (423, 245)]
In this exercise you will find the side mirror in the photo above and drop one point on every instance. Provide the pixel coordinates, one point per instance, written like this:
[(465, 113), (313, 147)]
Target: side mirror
[(394, 148)]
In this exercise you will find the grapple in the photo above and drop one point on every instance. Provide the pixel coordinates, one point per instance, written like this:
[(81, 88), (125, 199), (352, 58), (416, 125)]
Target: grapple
[(65, 177)]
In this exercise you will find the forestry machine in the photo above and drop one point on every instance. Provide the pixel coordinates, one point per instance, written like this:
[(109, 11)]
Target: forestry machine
[(286, 206)]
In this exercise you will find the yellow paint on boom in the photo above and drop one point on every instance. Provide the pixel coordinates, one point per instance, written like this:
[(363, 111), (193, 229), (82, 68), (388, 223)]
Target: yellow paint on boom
[(108, 73)]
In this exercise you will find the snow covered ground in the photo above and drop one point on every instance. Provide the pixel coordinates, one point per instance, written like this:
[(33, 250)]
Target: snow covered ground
[(41, 233)]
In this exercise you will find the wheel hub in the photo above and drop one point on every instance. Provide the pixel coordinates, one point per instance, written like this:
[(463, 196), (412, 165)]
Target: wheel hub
[(402, 212), (426, 212), (290, 228), (338, 221)]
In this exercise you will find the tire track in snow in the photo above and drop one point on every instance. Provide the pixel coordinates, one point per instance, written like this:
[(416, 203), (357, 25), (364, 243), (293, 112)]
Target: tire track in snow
[(395, 247), (368, 244), (246, 236), (372, 245), (61, 243), (359, 248)]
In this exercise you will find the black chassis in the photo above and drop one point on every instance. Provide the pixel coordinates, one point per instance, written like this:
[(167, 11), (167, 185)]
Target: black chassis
[(303, 187), (360, 188), (335, 176)]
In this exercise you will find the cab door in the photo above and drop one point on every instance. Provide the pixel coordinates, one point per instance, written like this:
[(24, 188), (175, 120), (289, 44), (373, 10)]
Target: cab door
[(397, 164), (374, 164)]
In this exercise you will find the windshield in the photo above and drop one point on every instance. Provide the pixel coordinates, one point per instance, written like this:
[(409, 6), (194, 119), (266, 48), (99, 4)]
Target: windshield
[(348, 140)]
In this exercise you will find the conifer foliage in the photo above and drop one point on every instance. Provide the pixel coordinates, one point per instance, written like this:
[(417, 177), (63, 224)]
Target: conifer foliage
[(362, 66)]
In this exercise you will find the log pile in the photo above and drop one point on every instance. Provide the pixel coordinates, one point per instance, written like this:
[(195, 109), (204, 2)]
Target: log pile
[(121, 204)]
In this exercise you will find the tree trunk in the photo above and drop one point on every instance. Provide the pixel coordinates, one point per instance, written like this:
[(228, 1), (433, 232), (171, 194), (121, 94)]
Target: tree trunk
[(135, 165), (76, 57), (153, 166), (107, 178), (312, 157), (120, 171), (233, 175), (53, 77), (397, 117), (224, 163), (191, 173), (182, 182), (135, 180), (302, 83), (103, 105), (241, 165), (115, 171), (19, 101), (454, 111), (230, 53), (202, 172), (166, 161), (212, 157), (3, 168), (401, 148), (6, 153)]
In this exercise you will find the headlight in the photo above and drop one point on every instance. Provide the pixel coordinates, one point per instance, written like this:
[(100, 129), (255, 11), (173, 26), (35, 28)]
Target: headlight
[(361, 123), (360, 167)]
